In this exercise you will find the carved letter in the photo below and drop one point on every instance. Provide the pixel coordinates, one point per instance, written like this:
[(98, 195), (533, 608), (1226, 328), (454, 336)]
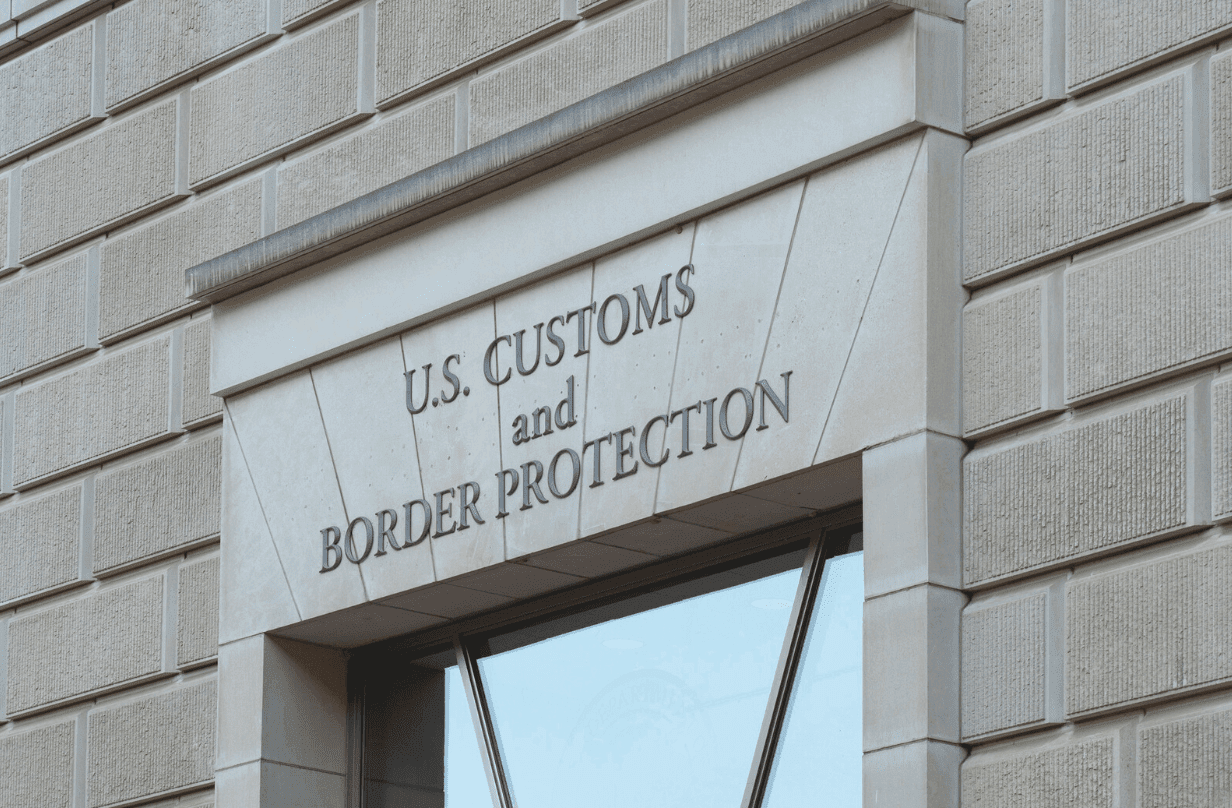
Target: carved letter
[(780, 404), (410, 375), (489, 366), (452, 379), (441, 512), (622, 452), (647, 308), (501, 492), (468, 505), (386, 521), (555, 340), (573, 480), (529, 485), (348, 545), (331, 556), (601, 320), (682, 286), (748, 414), (644, 448), (427, 522)]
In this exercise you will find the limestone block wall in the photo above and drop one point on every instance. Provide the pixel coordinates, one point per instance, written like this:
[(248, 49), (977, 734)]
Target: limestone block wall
[(1097, 644), (138, 139)]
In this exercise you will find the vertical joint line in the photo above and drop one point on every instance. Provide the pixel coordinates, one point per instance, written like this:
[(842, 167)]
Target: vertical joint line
[(462, 117), (419, 466), (367, 56), (93, 270), (1201, 450), (273, 17), (175, 415), (269, 201), (468, 666), (181, 142), (13, 256), (1053, 383), (8, 439), (677, 28), (1197, 123), (86, 565), (80, 761), (171, 611), (98, 64), (355, 734), (1054, 49)]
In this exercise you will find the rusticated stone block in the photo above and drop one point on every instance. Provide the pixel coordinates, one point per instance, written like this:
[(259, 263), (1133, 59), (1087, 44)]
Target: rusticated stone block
[(1077, 179), (46, 93), (1079, 774), (152, 43), (1186, 763), (1005, 59), (1003, 358), (93, 412), (198, 405), (157, 506), (1003, 663), (373, 158), (1076, 492), (152, 746), (1104, 39), (275, 102), (1149, 311), (36, 767), (198, 620), (573, 69), (1221, 434), (102, 181), (1148, 632), (101, 640), (421, 41), (43, 544), (43, 317), (141, 281), (1221, 123)]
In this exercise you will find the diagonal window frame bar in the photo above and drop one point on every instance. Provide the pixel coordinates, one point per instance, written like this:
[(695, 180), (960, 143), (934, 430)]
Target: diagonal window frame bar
[(481, 716)]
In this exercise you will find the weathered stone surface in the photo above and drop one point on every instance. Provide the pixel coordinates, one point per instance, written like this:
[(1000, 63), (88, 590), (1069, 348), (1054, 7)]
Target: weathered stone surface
[(1103, 38), (36, 767), (1221, 123), (1079, 774), (153, 745), (276, 101), (1003, 666), (158, 505), (1221, 433), (1005, 58), (1186, 763), (1003, 358), (46, 93), (198, 405), (141, 281), (101, 181), (1074, 180), (152, 43), (295, 12), (42, 317), (198, 619), (1149, 631), (92, 412), (41, 544), (573, 69), (1149, 310), (393, 149), (101, 640), (419, 41), (1075, 492)]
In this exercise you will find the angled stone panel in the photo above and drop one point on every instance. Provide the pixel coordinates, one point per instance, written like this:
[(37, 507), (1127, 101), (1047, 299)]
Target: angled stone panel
[(83, 658), (157, 506), (42, 541), (1080, 491), (1149, 632)]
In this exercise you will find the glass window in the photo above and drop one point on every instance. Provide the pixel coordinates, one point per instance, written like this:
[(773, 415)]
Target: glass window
[(736, 686)]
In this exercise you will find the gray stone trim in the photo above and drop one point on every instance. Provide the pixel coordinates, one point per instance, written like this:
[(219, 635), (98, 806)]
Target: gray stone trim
[(604, 117)]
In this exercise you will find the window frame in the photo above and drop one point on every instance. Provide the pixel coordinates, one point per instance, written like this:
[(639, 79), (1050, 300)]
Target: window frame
[(822, 538)]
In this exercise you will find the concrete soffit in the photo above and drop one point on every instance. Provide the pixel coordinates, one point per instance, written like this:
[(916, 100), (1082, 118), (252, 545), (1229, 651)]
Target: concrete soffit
[(658, 94)]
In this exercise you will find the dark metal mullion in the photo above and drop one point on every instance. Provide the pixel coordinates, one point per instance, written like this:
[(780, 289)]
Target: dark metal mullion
[(482, 718), (357, 695), (785, 673)]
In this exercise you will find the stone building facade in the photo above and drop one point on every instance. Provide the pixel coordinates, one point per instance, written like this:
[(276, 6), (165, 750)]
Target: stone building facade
[(1028, 361)]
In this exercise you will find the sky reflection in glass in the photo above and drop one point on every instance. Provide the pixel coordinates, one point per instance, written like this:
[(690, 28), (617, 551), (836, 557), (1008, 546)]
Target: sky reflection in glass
[(818, 761), (659, 709)]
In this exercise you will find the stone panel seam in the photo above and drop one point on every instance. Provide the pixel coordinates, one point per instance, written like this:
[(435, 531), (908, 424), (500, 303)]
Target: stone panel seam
[(415, 437), (175, 395), (868, 297), (98, 63), (81, 760), (11, 259), (67, 701), (1200, 448), (4, 666), (1197, 131), (1126, 762), (677, 28), (183, 121), (367, 57), (1054, 652), (93, 271), (171, 619), (8, 420), (269, 198), (462, 116), (85, 570)]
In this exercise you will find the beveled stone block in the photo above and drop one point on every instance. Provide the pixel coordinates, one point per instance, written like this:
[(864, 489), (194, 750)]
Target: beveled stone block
[(568, 71), (1080, 491), (141, 281), (1078, 773), (152, 745), (393, 149), (419, 42), (1007, 59), (36, 767), (45, 544), (83, 659), (1185, 762), (197, 629), (198, 406), (1149, 311), (116, 174), (1105, 40), (152, 44), (1088, 175), (157, 506), (92, 412), (47, 93), (1003, 666), (1148, 632), (43, 318), (275, 102)]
